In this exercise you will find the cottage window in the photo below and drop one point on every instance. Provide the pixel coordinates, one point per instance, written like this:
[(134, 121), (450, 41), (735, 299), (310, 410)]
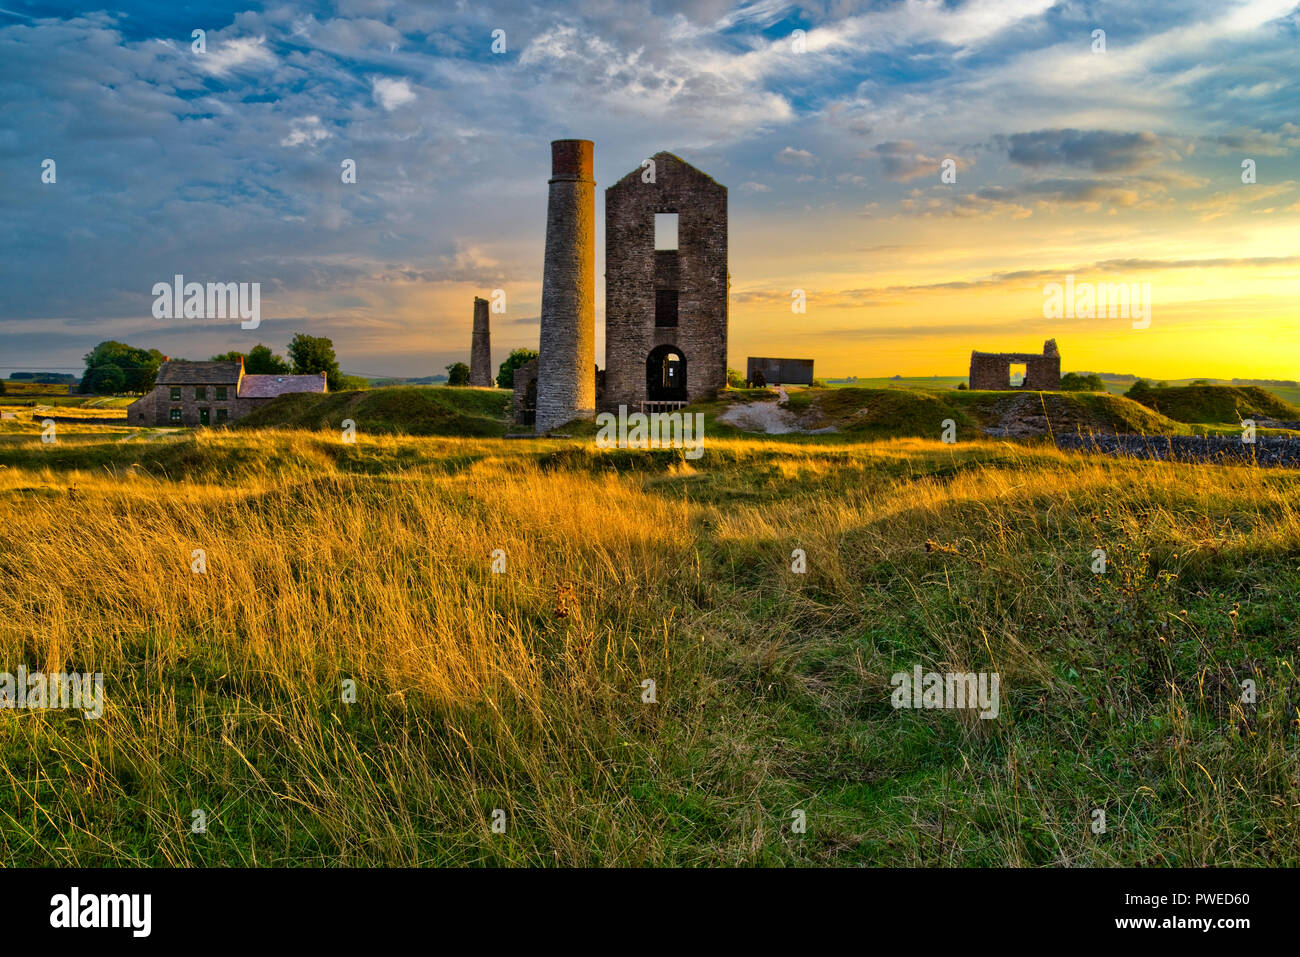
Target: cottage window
[(176, 415), (221, 393), (200, 392), (176, 393), (222, 415)]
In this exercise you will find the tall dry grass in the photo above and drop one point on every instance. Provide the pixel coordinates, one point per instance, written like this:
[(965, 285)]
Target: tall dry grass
[(522, 691)]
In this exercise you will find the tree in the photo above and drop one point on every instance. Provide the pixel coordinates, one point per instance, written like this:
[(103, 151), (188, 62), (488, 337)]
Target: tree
[(734, 379), (259, 360), (262, 361), (517, 358), (458, 374), (104, 379), (1079, 382), (313, 355), (137, 367), (1138, 390), (2, 387)]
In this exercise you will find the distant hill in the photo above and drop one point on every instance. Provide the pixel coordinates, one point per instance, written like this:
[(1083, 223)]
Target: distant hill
[(48, 378), (389, 381)]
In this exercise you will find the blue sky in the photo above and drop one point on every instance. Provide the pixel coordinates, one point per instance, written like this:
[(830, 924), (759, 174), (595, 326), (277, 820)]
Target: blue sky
[(225, 166)]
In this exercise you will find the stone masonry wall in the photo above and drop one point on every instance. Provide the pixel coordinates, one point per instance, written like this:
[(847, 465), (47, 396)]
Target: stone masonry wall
[(991, 371), (566, 388), (633, 271), (480, 353), (157, 410)]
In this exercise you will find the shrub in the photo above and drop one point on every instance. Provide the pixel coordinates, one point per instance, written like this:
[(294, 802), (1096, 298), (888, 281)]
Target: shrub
[(517, 358), (1080, 382), (458, 374)]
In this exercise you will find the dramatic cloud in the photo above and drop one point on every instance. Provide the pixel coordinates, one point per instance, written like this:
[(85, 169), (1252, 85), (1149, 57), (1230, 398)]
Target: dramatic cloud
[(1099, 150), (226, 164)]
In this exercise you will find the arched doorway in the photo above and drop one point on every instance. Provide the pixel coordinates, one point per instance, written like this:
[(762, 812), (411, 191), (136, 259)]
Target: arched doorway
[(665, 375)]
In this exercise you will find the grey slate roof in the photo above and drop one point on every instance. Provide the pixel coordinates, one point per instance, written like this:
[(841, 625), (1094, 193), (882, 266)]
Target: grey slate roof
[(198, 373), (269, 386)]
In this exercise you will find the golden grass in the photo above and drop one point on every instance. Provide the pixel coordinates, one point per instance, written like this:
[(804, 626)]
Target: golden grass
[(522, 691)]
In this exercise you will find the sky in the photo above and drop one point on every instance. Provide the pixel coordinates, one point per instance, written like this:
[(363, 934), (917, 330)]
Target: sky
[(1125, 156)]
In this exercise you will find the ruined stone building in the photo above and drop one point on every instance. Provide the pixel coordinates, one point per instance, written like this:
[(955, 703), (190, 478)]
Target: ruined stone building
[(992, 370), (212, 393), (760, 371), (480, 353), (665, 291), (665, 286)]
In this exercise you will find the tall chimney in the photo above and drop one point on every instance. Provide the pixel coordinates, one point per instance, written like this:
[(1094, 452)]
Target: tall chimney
[(566, 380), (480, 351)]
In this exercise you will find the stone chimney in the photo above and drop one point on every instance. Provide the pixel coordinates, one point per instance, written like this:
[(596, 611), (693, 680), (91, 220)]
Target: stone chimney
[(566, 388), (480, 352)]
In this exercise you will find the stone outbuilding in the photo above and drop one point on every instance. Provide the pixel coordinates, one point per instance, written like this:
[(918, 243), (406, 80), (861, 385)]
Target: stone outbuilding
[(761, 370)]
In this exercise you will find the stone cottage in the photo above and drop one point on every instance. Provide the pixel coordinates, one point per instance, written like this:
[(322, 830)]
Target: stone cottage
[(212, 393)]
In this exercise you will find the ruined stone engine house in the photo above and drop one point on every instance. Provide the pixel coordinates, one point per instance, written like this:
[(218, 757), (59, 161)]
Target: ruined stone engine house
[(992, 370), (665, 291)]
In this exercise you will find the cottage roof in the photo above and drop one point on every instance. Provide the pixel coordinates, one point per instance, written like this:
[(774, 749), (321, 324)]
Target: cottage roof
[(269, 386), (179, 372)]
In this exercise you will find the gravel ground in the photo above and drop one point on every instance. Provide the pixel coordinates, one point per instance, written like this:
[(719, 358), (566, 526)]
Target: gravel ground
[(772, 418), (1267, 450)]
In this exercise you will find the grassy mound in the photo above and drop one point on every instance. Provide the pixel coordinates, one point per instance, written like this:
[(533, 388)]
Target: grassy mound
[(432, 410), (1218, 403), (916, 412)]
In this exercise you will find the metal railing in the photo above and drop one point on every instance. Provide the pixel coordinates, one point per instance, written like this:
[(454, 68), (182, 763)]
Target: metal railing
[(661, 405)]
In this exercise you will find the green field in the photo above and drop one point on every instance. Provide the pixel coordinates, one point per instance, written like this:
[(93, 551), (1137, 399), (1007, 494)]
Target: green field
[(525, 691)]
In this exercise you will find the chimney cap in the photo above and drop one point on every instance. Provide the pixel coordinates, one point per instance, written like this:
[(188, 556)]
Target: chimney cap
[(572, 159)]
